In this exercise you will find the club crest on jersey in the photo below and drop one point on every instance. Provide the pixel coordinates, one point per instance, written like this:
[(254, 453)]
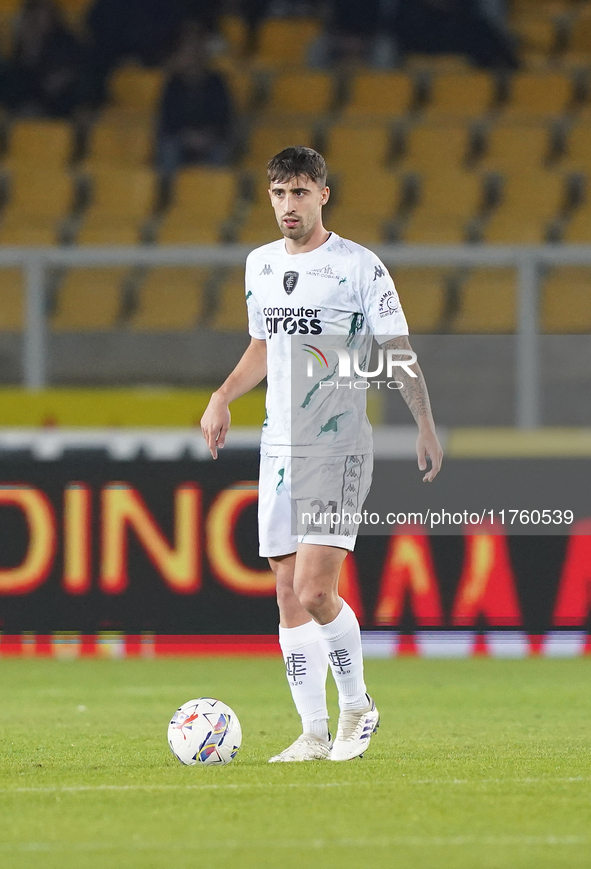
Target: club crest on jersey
[(290, 280)]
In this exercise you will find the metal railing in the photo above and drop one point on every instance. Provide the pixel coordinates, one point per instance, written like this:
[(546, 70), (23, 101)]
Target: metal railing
[(528, 261)]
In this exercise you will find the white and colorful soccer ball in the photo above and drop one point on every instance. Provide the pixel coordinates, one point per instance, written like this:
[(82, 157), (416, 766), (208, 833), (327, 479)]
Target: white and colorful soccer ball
[(204, 731)]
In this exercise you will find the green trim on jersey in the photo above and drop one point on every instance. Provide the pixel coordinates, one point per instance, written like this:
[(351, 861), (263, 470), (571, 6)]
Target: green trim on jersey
[(331, 425)]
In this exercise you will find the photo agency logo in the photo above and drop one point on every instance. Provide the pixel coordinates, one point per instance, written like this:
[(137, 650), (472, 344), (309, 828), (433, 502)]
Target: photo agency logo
[(347, 369)]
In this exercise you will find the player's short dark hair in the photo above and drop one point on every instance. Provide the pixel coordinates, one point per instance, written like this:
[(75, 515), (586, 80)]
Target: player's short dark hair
[(295, 161)]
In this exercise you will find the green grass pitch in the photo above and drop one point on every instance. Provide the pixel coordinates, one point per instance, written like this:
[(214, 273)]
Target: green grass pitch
[(478, 764)]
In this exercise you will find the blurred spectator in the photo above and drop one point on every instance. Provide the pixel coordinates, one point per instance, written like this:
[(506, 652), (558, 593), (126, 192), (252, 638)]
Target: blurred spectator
[(195, 112), (140, 29), (452, 26), (355, 26), (206, 12), (44, 76), (253, 12)]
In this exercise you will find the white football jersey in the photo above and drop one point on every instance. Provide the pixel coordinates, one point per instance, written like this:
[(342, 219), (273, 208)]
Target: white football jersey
[(339, 292)]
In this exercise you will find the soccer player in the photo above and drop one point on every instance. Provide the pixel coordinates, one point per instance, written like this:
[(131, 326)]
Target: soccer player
[(313, 283)]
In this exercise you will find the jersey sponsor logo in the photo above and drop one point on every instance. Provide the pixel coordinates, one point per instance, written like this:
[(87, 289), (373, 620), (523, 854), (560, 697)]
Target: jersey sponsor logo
[(325, 272), (267, 270), (378, 273), (304, 321), (290, 280), (388, 304)]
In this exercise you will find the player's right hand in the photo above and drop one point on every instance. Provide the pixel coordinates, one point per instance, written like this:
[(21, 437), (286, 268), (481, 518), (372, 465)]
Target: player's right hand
[(215, 423)]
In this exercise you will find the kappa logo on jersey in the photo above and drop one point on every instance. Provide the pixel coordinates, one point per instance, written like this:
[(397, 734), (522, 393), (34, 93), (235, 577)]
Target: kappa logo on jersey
[(388, 304), (290, 280), (267, 270), (325, 272), (378, 273)]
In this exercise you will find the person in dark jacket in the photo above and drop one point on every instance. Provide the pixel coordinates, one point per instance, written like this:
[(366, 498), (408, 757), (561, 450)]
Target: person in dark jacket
[(140, 29), (452, 26), (44, 76), (195, 111)]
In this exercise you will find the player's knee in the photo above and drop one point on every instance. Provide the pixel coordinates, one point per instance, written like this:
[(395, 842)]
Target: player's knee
[(284, 583), (312, 599)]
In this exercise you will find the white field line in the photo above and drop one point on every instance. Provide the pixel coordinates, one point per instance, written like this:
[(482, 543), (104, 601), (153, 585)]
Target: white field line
[(254, 785), (301, 844)]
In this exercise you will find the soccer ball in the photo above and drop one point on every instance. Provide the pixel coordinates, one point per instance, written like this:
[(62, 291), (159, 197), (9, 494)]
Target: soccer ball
[(204, 731)]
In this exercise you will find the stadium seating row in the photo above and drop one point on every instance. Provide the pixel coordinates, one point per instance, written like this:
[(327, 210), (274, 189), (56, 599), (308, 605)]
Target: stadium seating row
[(175, 298), (349, 147), (444, 205)]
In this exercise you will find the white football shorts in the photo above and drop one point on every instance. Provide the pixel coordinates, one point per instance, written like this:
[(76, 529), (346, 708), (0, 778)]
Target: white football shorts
[(311, 500)]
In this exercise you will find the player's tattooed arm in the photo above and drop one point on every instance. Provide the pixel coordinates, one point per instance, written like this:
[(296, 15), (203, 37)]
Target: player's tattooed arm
[(415, 393)]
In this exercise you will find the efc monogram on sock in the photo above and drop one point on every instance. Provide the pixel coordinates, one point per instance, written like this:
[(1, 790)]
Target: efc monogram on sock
[(295, 667), (342, 640), (306, 667), (340, 659)]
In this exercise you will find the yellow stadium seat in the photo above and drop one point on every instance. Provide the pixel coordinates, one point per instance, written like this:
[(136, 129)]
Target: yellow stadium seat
[(566, 300), (300, 93), (171, 299), (433, 63), (454, 95), (74, 11), (448, 200), (578, 229), (371, 192), (354, 148), (530, 201), (365, 228), (536, 32), (122, 143), (136, 89), (122, 200), (285, 41), (89, 299), (488, 302), (38, 201), (379, 95), (74, 6), (235, 33), (259, 227), (538, 95), (203, 198), (430, 147), (578, 149), (513, 147), (12, 300), (230, 314), (267, 139), (39, 143), (580, 37), (422, 294)]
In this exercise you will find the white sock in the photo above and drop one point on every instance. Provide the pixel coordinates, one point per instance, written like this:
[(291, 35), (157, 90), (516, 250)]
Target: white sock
[(306, 667), (342, 639)]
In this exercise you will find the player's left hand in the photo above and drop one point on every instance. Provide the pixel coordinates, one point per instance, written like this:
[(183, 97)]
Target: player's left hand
[(428, 447)]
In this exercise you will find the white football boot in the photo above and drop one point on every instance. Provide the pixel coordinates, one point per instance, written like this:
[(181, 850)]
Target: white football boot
[(308, 746), (356, 727)]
